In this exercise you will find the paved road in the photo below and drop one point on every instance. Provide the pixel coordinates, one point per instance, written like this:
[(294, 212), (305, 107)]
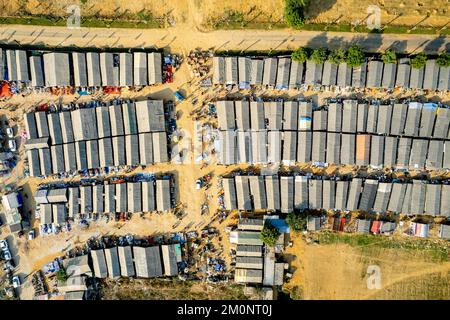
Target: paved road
[(185, 38)]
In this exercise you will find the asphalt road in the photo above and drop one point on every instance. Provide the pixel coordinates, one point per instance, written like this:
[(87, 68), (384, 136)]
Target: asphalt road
[(184, 38)]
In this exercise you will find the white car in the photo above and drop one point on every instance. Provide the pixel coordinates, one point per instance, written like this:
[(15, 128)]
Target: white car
[(16, 282), (31, 235), (12, 145), (4, 245), (7, 255), (9, 132)]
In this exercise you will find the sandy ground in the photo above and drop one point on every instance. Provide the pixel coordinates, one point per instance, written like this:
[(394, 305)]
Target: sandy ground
[(339, 271)]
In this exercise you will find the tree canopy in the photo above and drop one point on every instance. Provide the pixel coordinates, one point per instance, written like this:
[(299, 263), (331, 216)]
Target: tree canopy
[(443, 60), (319, 55), (389, 56), (419, 61), (294, 12), (355, 56), (337, 56), (296, 221), (269, 234), (301, 54)]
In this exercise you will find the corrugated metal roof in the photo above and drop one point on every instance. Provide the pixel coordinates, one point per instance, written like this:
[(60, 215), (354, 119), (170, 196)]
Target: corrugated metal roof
[(318, 146), (45, 161), (398, 118), (404, 151), (315, 194), (103, 124), (313, 73), (154, 60), (121, 197), (333, 153), (435, 155), (320, 119), (245, 68), (273, 113), (244, 146), (301, 197), (334, 117), (363, 109), (140, 68), (249, 262), (284, 66), (359, 76), (42, 124), (418, 153), (37, 71), (70, 161), (132, 149), (79, 69), (98, 203), (270, 71), (289, 146), (148, 196), (218, 70), (349, 116), (389, 73), (129, 118), (84, 124), (444, 78), (374, 74), (290, 115), (116, 120), (329, 194), (287, 193), (257, 115), (377, 151), (93, 69), (160, 151), (354, 194), (368, 195), (163, 195), (57, 156), (56, 68), (147, 262), (304, 146), (231, 70), (170, 259), (229, 198), (110, 201), (125, 69), (46, 214), (109, 70), (329, 75), (304, 115), (442, 123), (427, 120), (73, 203), (445, 200), (416, 78), (134, 196), (256, 74), (406, 207), (433, 199), (243, 250), (418, 194), (403, 73), (226, 115), (397, 196), (105, 152), (259, 146), (363, 149), (85, 199), (341, 195), (348, 148), (65, 120), (344, 75), (126, 261), (81, 155), (384, 118), (242, 109), (118, 144), (390, 151), (431, 77), (296, 74), (372, 118), (227, 151), (30, 125), (99, 263), (112, 261), (145, 148), (59, 213), (258, 192), (272, 192), (243, 193), (92, 153)]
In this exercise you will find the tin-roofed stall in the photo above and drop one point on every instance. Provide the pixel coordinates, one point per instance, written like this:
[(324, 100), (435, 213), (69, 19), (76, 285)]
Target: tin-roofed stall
[(22, 66), (81, 155), (334, 117), (313, 74), (242, 110), (169, 259), (116, 120), (226, 115), (403, 152), (329, 75), (231, 70), (406, 207), (105, 153), (290, 115), (249, 263), (99, 263), (397, 196), (441, 127), (97, 199), (273, 113), (103, 122), (140, 68), (150, 115), (363, 226), (377, 151), (418, 153), (154, 60), (363, 110), (80, 77), (445, 200), (112, 262), (341, 195), (11, 65), (84, 124), (147, 262), (148, 196), (248, 276), (257, 115), (57, 195), (160, 152), (435, 155), (248, 250), (70, 159), (37, 143), (287, 193), (320, 119), (363, 149), (284, 65), (59, 211), (433, 199), (344, 75), (349, 116), (372, 118), (256, 75), (56, 67), (73, 204), (218, 70), (289, 146), (45, 161), (348, 147), (368, 195), (304, 146), (37, 71), (163, 195), (296, 75), (92, 154), (42, 124), (389, 73), (328, 194), (146, 148), (403, 73), (109, 200), (229, 197), (227, 150), (57, 156), (398, 118), (359, 75), (244, 147), (374, 74), (418, 194), (384, 119), (134, 196), (85, 199), (132, 149), (258, 192), (125, 69), (333, 149), (301, 197), (93, 69), (315, 194), (318, 146), (390, 151), (126, 261), (243, 193), (273, 192), (354, 193), (129, 118), (444, 79), (245, 69), (270, 71), (30, 125), (430, 80), (427, 120), (121, 197), (259, 144), (65, 120), (416, 78), (118, 144), (46, 214)]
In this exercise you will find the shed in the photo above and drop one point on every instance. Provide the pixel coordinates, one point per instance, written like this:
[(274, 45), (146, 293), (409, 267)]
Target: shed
[(94, 75), (229, 197), (257, 115), (397, 196), (98, 201), (33, 162), (301, 195), (248, 276), (45, 161), (134, 197), (226, 115), (243, 193), (348, 148), (231, 71), (390, 151), (109, 199), (103, 122), (427, 120), (30, 125), (129, 118), (99, 263), (42, 124), (259, 147), (248, 251), (304, 147), (251, 224), (418, 195), (273, 192), (344, 75), (435, 155), (296, 74), (169, 259), (145, 148), (57, 195), (363, 226), (65, 120), (121, 197), (148, 196), (372, 118), (126, 261), (304, 115), (287, 194), (349, 115), (140, 68), (318, 146), (384, 118), (125, 69), (418, 156), (442, 123), (389, 73), (313, 74), (289, 146), (377, 151), (81, 155), (320, 118), (406, 207), (116, 120), (249, 263), (330, 71), (359, 76), (398, 118), (361, 125), (119, 156), (256, 75), (363, 149), (147, 262), (218, 70), (160, 151), (70, 159), (132, 149), (270, 72), (244, 147), (374, 74), (333, 149), (54, 127), (163, 195), (105, 153), (334, 117), (368, 195), (92, 153), (57, 156), (431, 77), (354, 193), (444, 231), (85, 199), (444, 79), (258, 192), (290, 115), (445, 200), (433, 199), (227, 147), (37, 71), (56, 67), (154, 60), (112, 262), (273, 114), (403, 73), (315, 194), (84, 124), (245, 69), (46, 214), (80, 77), (341, 195), (246, 238), (313, 223), (284, 66), (328, 194), (403, 152), (416, 78), (73, 204)]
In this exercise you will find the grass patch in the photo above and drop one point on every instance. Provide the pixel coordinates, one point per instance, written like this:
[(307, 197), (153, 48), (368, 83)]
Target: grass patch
[(436, 251)]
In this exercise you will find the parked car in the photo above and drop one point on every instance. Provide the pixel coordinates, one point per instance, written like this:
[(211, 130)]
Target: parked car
[(4, 245), (31, 235), (10, 132), (16, 282), (7, 255), (198, 184), (179, 96), (12, 145)]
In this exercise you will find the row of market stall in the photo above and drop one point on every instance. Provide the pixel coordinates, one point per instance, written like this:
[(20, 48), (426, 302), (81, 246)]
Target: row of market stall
[(289, 193), (140, 262), (57, 205), (81, 69), (412, 119), (284, 73), (130, 133), (326, 148)]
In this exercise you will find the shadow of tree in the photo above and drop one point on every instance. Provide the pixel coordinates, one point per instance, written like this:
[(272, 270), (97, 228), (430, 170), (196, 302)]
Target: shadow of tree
[(316, 7)]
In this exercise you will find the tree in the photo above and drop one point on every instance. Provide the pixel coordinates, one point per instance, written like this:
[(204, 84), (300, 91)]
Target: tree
[(419, 60), (296, 221), (337, 56), (355, 56), (319, 55), (301, 54), (61, 275), (443, 60), (269, 234), (389, 56), (294, 12)]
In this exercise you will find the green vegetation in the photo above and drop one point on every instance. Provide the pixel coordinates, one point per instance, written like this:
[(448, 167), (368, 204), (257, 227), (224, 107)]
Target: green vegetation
[(294, 12), (443, 60), (419, 61), (337, 56), (389, 56), (319, 55), (301, 54), (61, 275), (355, 56), (296, 221), (269, 234), (434, 250)]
